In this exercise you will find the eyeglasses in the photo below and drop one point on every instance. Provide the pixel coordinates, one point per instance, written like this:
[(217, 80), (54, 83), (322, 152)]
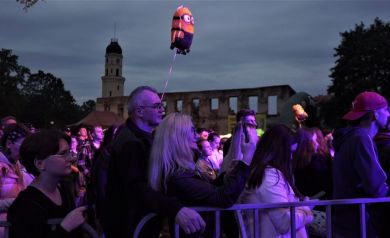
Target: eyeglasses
[(158, 106), (65, 156)]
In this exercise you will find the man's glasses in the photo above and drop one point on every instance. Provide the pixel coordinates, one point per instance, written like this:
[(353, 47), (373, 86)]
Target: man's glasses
[(158, 106)]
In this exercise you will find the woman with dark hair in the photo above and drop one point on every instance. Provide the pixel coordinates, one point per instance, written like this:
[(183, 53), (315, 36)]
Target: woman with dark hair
[(313, 173), (312, 163), (13, 177), (271, 181), (46, 155)]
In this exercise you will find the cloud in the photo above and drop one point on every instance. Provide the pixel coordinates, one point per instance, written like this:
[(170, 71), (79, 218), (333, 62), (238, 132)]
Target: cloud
[(237, 44)]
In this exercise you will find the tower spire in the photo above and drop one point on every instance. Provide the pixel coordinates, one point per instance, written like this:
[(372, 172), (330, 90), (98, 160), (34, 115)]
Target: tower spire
[(114, 30)]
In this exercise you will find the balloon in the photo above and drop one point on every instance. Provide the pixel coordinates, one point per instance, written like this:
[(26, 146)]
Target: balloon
[(182, 30), (300, 114)]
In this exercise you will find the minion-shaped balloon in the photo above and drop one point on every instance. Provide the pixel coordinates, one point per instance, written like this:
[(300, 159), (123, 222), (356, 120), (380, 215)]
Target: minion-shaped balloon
[(182, 30)]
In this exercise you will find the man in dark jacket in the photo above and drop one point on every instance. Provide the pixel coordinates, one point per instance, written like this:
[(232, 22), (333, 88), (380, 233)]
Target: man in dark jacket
[(382, 210), (356, 169), (129, 198)]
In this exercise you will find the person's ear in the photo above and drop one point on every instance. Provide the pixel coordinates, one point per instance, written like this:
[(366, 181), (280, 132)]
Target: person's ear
[(40, 165), (138, 111)]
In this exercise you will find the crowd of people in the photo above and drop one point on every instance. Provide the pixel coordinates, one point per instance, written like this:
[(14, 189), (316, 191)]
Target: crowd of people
[(112, 178)]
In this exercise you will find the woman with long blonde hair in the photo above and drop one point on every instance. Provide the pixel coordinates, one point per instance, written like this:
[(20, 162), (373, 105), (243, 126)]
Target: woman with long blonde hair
[(172, 167)]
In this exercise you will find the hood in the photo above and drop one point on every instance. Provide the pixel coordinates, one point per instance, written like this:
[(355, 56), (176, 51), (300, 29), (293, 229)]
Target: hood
[(341, 135)]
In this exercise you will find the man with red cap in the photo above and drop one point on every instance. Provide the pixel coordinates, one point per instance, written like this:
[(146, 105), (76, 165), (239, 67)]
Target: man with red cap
[(356, 169)]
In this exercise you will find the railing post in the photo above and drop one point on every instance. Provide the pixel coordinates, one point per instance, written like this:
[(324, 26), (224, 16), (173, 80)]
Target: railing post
[(257, 208), (329, 221), (6, 232), (257, 223), (362, 207), (177, 230), (292, 222), (217, 223)]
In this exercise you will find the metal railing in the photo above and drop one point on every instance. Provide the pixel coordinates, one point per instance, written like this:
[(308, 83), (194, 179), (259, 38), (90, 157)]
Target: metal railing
[(6, 226), (53, 223), (292, 205)]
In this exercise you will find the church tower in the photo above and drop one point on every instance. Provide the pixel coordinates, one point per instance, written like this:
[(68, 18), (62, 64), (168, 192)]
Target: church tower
[(112, 81)]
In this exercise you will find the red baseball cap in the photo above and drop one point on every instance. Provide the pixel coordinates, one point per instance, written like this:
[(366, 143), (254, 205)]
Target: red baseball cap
[(365, 102)]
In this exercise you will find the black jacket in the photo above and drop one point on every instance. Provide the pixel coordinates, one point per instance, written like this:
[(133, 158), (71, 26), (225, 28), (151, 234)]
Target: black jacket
[(356, 174), (129, 198), (32, 209), (193, 190)]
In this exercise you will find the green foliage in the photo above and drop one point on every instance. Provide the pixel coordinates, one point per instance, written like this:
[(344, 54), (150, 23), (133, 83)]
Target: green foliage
[(87, 107), (51, 102), (12, 78), (362, 64), (36, 98), (27, 3)]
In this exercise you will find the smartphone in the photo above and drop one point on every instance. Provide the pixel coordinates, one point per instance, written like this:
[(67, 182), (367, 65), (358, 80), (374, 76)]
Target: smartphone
[(246, 134), (318, 195)]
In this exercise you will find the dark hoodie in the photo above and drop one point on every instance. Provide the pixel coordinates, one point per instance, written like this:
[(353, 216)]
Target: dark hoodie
[(382, 141), (356, 174)]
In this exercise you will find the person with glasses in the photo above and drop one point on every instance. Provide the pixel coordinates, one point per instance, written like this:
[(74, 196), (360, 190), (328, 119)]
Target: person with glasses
[(46, 155), (13, 177), (173, 169), (129, 197)]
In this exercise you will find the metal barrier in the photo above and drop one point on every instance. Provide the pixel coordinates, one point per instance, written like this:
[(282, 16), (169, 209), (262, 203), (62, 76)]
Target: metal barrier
[(53, 223), (85, 226), (6, 226), (292, 205)]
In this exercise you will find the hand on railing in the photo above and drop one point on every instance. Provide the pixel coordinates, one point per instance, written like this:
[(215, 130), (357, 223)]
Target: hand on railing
[(190, 220), (307, 210), (73, 219)]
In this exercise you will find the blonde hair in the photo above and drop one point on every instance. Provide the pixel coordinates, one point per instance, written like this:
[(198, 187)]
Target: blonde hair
[(171, 149)]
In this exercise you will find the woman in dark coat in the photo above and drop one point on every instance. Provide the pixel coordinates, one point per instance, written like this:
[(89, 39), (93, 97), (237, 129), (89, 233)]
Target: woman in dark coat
[(173, 171)]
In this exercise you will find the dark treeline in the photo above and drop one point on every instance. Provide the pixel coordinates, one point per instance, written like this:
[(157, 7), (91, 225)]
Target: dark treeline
[(38, 98)]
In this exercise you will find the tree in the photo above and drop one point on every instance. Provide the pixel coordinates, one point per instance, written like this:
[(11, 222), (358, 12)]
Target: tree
[(87, 107), (12, 78), (362, 64), (27, 3), (47, 100)]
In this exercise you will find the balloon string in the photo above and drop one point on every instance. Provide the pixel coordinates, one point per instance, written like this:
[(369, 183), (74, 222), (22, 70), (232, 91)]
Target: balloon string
[(169, 74)]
